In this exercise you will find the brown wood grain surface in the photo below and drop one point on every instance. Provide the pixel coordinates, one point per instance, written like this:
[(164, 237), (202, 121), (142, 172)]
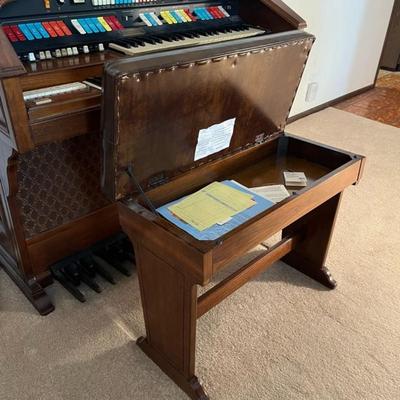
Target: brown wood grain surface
[(49, 247)]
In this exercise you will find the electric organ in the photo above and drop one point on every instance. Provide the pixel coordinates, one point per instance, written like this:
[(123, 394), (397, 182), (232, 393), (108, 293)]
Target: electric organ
[(51, 62)]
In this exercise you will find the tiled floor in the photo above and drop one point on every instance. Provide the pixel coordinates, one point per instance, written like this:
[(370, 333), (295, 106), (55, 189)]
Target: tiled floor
[(381, 103)]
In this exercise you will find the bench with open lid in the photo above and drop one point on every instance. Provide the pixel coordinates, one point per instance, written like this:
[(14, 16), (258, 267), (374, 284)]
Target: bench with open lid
[(154, 108)]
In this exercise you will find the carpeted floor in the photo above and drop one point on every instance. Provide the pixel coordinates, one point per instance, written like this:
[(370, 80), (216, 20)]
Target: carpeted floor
[(281, 337)]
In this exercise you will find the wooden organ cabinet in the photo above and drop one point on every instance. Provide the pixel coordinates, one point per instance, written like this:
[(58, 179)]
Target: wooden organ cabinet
[(51, 145)]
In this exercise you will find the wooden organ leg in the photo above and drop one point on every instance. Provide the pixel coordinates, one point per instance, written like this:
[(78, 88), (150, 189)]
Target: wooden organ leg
[(316, 228), (169, 300), (14, 257)]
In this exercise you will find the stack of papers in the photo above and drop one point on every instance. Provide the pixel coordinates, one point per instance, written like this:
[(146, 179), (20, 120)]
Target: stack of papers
[(215, 210), (295, 179), (215, 204)]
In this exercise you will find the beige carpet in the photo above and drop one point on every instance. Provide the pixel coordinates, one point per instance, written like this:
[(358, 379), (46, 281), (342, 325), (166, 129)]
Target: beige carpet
[(280, 337)]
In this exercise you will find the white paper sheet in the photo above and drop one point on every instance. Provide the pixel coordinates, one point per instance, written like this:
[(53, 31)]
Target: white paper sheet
[(274, 193), (214, 139)]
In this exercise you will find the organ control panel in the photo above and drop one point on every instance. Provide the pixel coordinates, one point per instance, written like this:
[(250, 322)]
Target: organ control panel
[(42, 30)]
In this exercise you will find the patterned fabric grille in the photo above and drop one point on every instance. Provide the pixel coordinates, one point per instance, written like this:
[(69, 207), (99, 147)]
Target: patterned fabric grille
[(60, 182)]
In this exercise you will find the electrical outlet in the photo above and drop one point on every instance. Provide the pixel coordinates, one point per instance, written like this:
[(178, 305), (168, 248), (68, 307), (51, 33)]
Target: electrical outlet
[(312, 91)]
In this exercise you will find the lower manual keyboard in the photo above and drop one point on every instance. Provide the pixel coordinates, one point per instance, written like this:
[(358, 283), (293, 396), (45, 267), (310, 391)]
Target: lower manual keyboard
[(54, 90), (141, 45)]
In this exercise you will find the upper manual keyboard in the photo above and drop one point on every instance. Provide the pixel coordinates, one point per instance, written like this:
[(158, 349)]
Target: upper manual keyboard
[(154, 43)]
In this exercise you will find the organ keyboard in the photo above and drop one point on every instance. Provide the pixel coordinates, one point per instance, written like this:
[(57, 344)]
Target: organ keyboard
[(54, 90), (141, 45), (52, 57)]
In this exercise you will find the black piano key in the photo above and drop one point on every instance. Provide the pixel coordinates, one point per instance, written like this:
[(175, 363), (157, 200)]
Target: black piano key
[(124, 43), (188, 35), (175, 38), (139, 42), (148, 40), (180, 36), (166, 38), (156, 39)]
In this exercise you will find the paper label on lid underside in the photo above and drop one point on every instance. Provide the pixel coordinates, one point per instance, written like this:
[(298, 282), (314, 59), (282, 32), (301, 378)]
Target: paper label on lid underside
[(214, 139)]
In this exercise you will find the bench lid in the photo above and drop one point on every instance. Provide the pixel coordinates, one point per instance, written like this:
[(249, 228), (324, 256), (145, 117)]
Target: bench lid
[(159, 110)]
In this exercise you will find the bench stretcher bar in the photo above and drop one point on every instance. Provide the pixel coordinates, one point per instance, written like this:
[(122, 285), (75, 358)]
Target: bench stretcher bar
[(235, 281)]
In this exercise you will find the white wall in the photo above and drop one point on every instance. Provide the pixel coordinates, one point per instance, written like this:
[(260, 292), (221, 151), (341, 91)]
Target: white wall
[(350, 36)]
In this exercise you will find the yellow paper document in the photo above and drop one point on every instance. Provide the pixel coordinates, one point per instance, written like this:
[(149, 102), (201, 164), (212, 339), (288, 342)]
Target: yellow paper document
[(234, 199), (216, 203)]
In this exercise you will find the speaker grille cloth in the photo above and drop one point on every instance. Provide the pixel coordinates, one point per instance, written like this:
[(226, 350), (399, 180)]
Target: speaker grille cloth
[(60, 182)]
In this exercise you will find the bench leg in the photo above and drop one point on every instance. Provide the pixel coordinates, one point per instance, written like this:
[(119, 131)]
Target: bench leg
[(169, 302), (316, 229)]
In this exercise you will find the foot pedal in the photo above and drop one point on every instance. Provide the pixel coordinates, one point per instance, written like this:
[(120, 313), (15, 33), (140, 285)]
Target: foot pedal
[(98, 260), (115, 261), (87, 265), (101, 267), (94, 264), (88, 281), (128, 251), (60, 276), (72, 273)]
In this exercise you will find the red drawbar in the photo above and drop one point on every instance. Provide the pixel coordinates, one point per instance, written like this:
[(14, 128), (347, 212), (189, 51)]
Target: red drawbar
[(56, 28), (212, 11), (49, 29), (116, 22), (110, 22), (10, 34), (219, 12), (64, 28), (17, 32)]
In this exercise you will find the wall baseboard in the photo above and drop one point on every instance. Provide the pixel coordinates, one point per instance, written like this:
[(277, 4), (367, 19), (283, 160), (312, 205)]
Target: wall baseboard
[(330, 103)]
